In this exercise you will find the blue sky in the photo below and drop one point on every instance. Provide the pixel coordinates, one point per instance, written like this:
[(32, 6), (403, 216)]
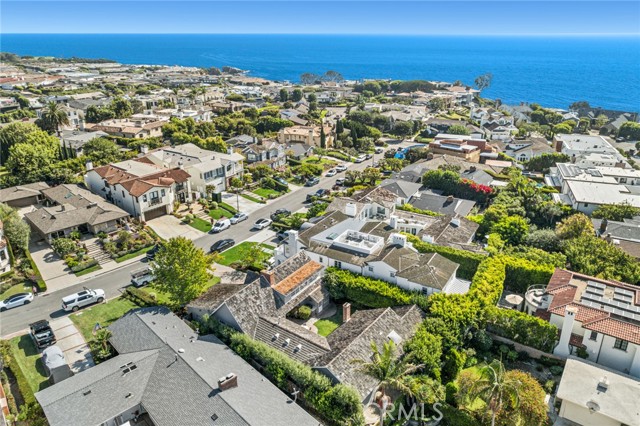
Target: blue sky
[(512, 17)]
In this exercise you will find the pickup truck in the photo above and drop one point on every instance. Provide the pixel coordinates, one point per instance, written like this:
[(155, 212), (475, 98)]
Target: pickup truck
[(142, 277), (42, 334)]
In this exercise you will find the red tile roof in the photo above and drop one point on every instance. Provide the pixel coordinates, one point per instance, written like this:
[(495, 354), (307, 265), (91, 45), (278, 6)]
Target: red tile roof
[(584, 314), (576, 341), (616, 328)]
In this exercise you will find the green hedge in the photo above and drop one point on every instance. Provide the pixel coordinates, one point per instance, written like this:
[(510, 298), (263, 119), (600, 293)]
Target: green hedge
[(337, 404), (522, 328), (227, 207), (10, 361), (339, 155), (467, 260), (139, 297), (522, 273), (37, 278), (366, 291), (409, 208)]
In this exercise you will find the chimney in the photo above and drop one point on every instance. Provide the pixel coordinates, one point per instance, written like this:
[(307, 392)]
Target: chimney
[(81, 124), (310, 138), (472, 168), (292, 242), (603, 226), (270, 277), (608, 238), (228, 382), (399, 240), (144, 149), (89, 165), (393, 221), (450, 199), (350, 209), (346, 312), (430, 156), (562, 349)]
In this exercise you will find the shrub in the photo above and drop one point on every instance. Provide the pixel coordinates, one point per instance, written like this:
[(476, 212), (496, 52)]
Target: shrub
[(302, 312), (522, 273), (522, 328), (451, 390), (467, 260), (64, 246), (140, 297), (549, 386), (102, 235), (84, 265), (75, 235), (35, 276), (556, 370), (23, 385)]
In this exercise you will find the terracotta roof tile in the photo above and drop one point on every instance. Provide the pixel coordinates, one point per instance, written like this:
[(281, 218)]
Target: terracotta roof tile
[(616, 328), (296, 278)]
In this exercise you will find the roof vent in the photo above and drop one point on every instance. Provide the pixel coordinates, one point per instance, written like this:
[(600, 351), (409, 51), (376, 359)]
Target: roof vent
[(86, 393), (200, 359), (275, 337), (181, 350), (287, 341), (603, 384), (297, 348), (128, 367), (455, 222)]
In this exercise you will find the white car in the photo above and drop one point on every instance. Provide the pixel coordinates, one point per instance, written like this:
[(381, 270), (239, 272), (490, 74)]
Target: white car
[(331, 172), (262, 223), (83, 298), (340, 168), (221, 225), (360, 158), (142, 277), (238, 217), (16, 300)]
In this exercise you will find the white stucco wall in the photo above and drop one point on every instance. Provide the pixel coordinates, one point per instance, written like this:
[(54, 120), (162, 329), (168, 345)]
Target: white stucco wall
[(583, 416)]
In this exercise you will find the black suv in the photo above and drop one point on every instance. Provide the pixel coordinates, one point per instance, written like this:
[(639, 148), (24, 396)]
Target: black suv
[(42, 334), (280, 213), (151, 254)]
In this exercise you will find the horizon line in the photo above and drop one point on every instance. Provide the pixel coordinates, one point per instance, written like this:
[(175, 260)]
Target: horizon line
[(353, 34)]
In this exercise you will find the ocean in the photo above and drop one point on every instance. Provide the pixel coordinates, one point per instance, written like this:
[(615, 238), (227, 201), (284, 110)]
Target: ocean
[(552, 71)]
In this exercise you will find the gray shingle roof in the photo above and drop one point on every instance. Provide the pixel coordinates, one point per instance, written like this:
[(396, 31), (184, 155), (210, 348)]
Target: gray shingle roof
[(176, 382), (441, 204), (22, 191)]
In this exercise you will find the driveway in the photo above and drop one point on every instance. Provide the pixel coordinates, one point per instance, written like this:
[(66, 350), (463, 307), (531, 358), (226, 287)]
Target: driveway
[(49, 263), (75, 348), (169, 226), (246, 206)]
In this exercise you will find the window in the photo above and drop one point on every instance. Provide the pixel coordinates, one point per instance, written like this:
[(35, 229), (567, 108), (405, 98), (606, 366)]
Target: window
[(370, 268), (162, 192), (594, 335), (392, 274), (337, 264), (229, 167), (320, 259), (3, 255), (586, 204), (144, 198), (621, 344), (123, 196)]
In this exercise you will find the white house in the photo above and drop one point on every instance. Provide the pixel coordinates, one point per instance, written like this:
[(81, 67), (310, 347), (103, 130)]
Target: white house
[(577, 144), (208, 170), (144, 190), (592, 395), (596, 318), (5, 263)]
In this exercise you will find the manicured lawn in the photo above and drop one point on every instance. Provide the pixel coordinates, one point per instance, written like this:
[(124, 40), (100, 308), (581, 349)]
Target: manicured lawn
[(104, 313), (325, 162), (328, 325), (134, 254), (30, 362), (218, 213), (88, 270), (18, 288), (200, 224), (250, 198), (266, 192), (163, 298), (234, 254)]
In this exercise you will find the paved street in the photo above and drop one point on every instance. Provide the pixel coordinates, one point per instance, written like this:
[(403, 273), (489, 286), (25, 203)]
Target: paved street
[(48, 306)]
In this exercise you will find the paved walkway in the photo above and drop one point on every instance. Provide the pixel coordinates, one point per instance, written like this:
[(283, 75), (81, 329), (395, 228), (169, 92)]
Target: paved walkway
[(76, 349)]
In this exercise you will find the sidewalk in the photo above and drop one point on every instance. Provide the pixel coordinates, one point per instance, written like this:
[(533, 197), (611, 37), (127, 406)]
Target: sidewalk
[(76, 349), (70, 279)]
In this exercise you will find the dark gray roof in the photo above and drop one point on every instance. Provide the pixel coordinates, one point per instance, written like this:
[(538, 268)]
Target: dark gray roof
[(176, 382), (441, 204), (73, 206), (402, 188), (432, 270), (352, 341), (22, 191), (299, 149)]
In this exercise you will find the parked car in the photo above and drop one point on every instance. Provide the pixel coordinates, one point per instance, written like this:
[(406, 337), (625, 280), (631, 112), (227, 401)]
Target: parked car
[(368, 156), (282, 235), (141, 277), (331, 172), (81, 299), (221, 245), (16, 300), (151, 254), (360, 158), (340, 168), (340, 181), (42, 334), (282, 181), (262, 223), (312, 181), (280, 212), (319, 193), (379, 150), (221, 225), (238, 217)]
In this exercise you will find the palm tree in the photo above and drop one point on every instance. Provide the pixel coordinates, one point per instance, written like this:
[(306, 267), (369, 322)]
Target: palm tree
[(53, 117), (495, 388), (388, 369), (101, 338)]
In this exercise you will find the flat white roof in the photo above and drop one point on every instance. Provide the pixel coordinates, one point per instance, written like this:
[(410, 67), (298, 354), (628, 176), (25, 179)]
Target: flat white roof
[(579, 385), (602, 193)]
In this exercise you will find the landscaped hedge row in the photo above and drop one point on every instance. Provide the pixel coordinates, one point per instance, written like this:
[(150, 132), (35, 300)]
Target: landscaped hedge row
[(227, 207), (365, 291), (409, 208), (467, 260), (337, 404), (521, 327), (84, 265), (522, 273), (37, 277), (339, 155), (23, 385), (139, 297)]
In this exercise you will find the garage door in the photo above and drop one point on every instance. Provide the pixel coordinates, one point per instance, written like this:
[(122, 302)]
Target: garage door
[(152, 214)]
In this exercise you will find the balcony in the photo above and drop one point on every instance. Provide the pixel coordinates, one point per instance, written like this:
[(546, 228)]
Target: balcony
[(155, 201), (181, 187)]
